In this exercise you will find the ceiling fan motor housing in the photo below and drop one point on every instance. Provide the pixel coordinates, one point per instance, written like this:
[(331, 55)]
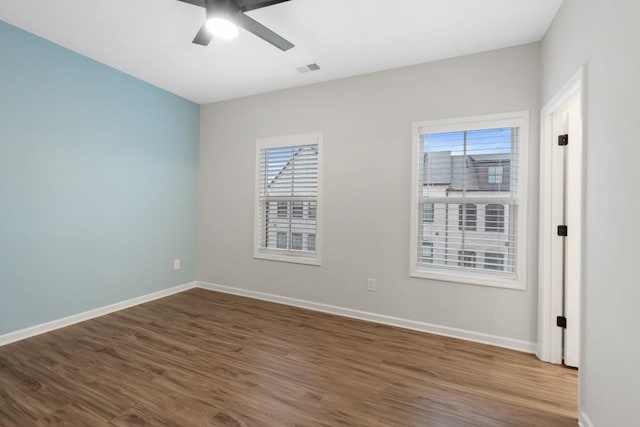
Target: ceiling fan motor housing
[(222, 8)]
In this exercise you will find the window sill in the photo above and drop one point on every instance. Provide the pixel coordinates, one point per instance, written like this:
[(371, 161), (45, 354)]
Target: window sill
[(470, 278), (287, 258)]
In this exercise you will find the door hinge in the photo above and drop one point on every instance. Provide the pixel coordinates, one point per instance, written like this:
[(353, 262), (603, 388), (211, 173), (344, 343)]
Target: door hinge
[(561, 322), (563, 139), (563, 230)]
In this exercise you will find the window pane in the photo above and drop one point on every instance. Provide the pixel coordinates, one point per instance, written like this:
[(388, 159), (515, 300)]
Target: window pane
[(312, 210), (467, 259), (296, 241), (282, 209), (476, 170), (467, 217), (494, 221), (290, 171), (273, 223), (311, 242), (463, 163), (427, 212), (448, 239), (282, 240), (427, 252), (494, 174), (494, 261), (297, 210)]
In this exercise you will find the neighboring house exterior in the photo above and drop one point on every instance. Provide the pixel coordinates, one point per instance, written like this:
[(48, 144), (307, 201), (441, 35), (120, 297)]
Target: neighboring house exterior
[(472, 230)]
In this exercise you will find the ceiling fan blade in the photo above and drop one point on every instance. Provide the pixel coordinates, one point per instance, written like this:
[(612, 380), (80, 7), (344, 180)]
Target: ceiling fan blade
[(203, 37), (200, 3), (263, 32), (247, 5)]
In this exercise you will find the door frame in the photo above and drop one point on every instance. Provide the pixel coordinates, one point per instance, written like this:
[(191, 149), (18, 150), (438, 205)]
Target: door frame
[(550, 284)]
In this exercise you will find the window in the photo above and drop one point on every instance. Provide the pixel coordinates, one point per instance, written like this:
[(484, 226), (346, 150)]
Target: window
[(282, 209), (494, 174), (467, 217), (297, 210), (494, 218), (427, 252), (282, 240), (467, 259), (469, 200), (427, 212), (296, 241), (287, 185), (493, 261)]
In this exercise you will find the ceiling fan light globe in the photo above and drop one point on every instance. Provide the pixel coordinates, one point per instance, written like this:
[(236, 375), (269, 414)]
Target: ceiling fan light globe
[(222, 28)]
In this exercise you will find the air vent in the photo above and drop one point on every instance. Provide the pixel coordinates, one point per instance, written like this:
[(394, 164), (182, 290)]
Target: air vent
[(307, 68)]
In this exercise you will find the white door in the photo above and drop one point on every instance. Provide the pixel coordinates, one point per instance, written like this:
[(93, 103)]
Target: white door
[(573, 242), (567, 202)]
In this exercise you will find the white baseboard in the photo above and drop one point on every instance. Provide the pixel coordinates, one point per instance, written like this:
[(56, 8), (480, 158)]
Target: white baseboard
[(510, 343), (584, 421), (97, 312), (479, 337)]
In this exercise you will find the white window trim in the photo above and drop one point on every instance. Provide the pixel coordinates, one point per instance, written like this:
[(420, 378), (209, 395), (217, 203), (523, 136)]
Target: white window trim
[(287, 141), (515, 119)]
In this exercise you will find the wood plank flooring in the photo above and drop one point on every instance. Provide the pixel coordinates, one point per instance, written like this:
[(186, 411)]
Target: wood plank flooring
[(203, 358)]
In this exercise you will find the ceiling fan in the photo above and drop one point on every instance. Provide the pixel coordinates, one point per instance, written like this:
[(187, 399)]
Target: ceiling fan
[(225, 16)]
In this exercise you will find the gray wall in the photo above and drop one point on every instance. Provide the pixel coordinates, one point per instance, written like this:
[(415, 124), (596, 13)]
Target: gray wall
[(98, 178), (366, 122), (605, 35)]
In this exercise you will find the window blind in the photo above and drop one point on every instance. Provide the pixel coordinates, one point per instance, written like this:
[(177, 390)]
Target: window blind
[(468, 195), (287, 200)]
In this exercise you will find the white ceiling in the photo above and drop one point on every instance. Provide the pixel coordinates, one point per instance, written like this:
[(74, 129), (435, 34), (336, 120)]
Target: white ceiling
[(151, 39)]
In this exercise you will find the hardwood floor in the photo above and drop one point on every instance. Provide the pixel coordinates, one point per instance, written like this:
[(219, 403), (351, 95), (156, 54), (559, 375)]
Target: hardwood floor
[(204, 358)]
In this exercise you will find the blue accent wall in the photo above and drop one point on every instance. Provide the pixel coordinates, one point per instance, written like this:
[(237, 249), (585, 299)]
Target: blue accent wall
[(98, 183)]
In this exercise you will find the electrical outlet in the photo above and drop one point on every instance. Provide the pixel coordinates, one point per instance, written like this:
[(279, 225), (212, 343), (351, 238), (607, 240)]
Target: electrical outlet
[(371, 285), (176, 264)]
